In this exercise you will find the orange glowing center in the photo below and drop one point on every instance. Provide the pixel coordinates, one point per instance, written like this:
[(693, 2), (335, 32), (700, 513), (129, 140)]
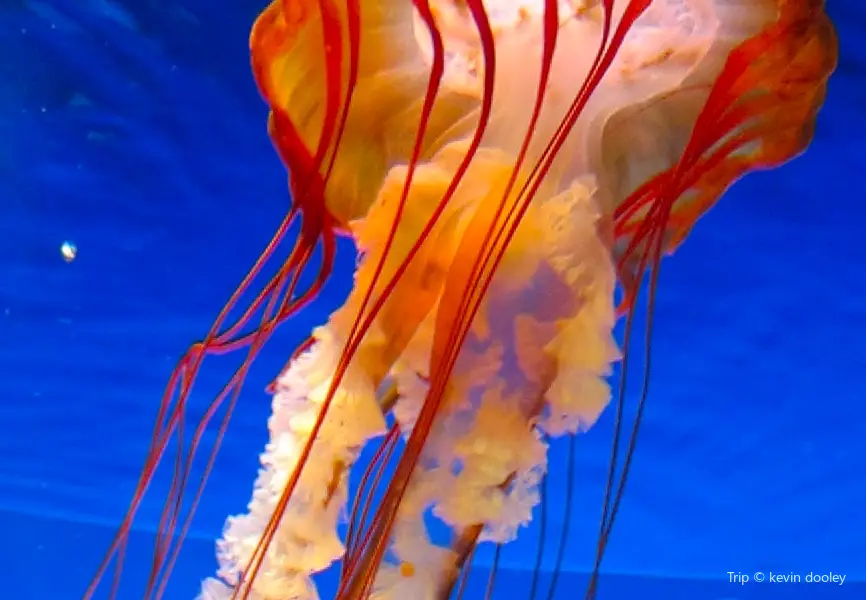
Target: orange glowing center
[(407, 569)]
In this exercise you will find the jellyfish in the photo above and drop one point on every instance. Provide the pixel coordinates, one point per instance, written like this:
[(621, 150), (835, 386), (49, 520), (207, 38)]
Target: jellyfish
[(511, 173)]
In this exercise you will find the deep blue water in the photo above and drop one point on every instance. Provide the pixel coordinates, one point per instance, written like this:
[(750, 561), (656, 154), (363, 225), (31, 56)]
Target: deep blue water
[(133, 130)]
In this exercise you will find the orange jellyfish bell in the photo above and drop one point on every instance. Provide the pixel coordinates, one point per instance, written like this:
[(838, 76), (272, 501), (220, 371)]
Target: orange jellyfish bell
[(501, 165)]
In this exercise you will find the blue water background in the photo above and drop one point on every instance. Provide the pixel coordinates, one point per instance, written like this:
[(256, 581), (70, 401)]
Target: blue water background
[(133, 129)]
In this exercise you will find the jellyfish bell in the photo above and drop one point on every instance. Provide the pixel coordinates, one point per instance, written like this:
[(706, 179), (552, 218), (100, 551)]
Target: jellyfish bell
[(501, 167)]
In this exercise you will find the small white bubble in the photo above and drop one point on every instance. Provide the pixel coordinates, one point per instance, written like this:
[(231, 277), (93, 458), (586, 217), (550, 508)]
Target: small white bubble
[(68, 251)]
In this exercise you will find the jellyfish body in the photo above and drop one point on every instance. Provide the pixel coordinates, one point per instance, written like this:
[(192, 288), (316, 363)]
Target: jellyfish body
[(501, 166)]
